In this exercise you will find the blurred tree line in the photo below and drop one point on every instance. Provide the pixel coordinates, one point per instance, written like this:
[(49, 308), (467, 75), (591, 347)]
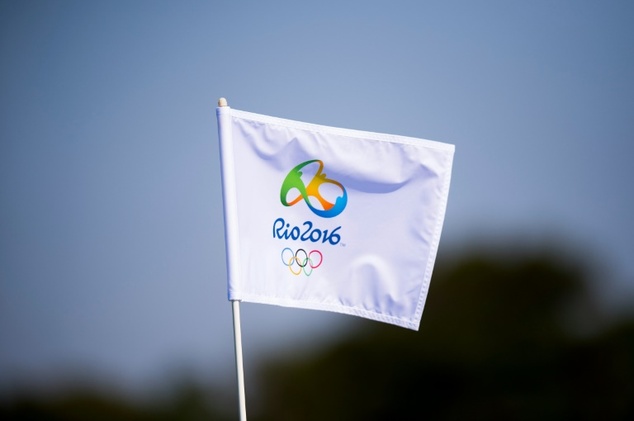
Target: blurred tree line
[(502, 338)]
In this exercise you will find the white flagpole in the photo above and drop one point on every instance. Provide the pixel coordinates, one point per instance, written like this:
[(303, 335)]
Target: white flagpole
[(237, 335), (228, 197)]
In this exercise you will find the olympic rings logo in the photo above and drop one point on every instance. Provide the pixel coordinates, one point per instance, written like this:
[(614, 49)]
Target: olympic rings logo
[(302, 260)]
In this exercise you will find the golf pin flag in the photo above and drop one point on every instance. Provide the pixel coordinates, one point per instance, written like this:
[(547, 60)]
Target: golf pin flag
[(325, 218)]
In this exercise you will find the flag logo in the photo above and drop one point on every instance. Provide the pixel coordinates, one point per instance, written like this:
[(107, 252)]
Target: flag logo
[(317, 192), (302, 260)]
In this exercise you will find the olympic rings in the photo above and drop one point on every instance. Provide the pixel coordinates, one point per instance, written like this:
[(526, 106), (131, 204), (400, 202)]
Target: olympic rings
[(304, 260)]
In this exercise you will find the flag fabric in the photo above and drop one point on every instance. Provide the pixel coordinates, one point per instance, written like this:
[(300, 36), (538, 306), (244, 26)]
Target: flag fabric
[(326, 218)]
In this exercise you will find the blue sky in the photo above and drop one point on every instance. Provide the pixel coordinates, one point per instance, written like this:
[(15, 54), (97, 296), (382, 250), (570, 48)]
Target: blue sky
[(111, 236)]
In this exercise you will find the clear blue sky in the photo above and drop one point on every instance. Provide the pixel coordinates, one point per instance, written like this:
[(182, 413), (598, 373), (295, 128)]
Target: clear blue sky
[(111, 236)]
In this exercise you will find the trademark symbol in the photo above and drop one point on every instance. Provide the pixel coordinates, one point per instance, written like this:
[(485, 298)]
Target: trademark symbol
[(343, 244)]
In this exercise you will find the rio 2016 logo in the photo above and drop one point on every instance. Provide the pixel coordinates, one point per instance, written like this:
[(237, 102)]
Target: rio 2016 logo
[(309, 183), (310, 192)]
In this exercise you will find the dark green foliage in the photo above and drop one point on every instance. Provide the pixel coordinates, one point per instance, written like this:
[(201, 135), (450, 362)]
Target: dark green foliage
[(496, 341), (188, 402)]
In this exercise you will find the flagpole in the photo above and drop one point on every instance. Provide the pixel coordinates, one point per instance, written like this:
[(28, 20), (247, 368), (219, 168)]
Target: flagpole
[(229, 208), (237, 335)]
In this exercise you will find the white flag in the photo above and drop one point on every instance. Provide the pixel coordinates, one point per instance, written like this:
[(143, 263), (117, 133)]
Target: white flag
[(331, 219)]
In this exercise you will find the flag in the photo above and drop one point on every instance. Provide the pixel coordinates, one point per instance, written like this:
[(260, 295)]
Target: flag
[(334, 219)]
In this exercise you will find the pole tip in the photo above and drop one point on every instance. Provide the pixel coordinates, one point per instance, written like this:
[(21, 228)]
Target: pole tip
[(222, 102)]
